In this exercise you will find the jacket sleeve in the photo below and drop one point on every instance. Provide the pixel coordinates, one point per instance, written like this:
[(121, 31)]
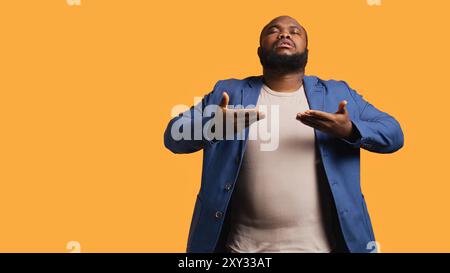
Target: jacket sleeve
[(380, 132), (184, 133)]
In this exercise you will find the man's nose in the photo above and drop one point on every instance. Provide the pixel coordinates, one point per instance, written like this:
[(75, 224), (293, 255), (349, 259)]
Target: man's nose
[(284, 35)]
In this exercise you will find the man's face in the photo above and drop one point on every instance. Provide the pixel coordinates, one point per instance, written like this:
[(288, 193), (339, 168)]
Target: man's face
[(283, 45)]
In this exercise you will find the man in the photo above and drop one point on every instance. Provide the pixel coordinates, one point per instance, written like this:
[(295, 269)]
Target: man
[(302, 194)]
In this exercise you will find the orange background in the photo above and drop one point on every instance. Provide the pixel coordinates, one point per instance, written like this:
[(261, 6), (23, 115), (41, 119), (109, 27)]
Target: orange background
[(86, 93)]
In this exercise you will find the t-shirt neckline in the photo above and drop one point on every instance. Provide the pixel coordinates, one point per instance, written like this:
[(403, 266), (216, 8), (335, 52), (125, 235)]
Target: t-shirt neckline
[(282, 94)]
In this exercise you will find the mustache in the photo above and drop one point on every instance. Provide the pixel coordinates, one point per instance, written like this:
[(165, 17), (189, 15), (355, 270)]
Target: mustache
[(284, 40)]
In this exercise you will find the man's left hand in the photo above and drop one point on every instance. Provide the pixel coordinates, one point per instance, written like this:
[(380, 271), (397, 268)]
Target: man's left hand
[(337, 124)]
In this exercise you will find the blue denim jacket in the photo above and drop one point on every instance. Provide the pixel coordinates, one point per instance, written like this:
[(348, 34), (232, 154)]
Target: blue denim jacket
[(379, 131)]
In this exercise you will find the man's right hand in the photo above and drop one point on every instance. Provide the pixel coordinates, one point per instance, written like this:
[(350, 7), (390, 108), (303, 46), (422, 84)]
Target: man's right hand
[(239, 118)]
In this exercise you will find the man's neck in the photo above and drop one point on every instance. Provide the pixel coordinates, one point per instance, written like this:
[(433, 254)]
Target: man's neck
[(283, 82)]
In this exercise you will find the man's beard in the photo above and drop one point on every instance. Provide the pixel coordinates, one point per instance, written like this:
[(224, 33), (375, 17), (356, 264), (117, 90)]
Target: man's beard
[(284, 63)]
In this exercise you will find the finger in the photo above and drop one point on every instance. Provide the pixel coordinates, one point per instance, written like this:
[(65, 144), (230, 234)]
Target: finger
[(245, 117), (251, 116), (260, 115), (309, 115), (342, 109), (225, 100), (317, 121), (249, 113), (312, 124), (319, 114)]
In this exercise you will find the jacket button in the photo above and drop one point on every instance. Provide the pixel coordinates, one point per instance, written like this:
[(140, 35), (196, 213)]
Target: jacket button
[(367, 146), (344, 211), (219, 214), (228, 186)]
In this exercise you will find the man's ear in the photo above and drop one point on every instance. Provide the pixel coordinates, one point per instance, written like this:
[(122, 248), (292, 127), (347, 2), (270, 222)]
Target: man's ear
[(259, 51)]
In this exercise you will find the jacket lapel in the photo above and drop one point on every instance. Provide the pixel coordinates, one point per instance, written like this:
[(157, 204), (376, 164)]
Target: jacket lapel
[(250, 94), (251, 90), (314, 93)]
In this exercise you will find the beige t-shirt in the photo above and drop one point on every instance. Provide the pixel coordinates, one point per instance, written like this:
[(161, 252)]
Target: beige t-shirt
[(277, 205)]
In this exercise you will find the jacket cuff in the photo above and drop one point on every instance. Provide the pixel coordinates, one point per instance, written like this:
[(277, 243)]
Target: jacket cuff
[(359, 129)]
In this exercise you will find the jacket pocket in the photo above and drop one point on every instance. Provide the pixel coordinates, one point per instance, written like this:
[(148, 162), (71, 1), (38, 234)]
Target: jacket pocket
[(195, 220)]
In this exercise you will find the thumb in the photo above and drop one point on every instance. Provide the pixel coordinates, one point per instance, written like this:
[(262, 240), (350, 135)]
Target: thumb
[(342, 109), (225, 100)]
